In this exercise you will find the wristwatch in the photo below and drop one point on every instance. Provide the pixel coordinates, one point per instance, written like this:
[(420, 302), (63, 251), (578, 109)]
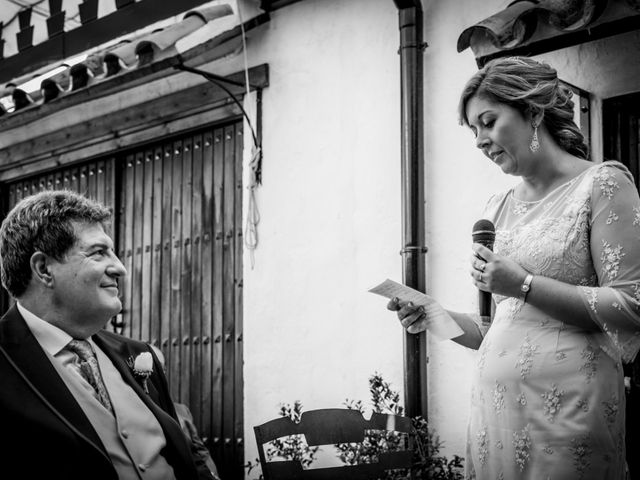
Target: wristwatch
[(525, 287)]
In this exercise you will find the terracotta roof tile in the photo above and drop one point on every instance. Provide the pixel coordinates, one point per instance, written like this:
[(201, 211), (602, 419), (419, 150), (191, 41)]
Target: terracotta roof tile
[(113, 60), (525, 22)]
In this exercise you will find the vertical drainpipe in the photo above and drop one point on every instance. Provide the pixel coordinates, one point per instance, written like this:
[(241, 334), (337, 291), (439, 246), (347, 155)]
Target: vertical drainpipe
[(413, 221)]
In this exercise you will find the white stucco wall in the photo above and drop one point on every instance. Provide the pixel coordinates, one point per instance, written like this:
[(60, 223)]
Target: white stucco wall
[(330, 208)]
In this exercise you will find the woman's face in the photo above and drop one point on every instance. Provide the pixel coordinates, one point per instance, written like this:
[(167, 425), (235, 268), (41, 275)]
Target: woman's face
[(502, 133)]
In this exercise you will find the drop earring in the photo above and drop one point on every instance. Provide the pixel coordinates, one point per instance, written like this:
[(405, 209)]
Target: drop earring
[(534, 146)]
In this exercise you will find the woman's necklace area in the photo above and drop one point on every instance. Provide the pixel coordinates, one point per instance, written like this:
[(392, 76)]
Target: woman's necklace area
[(520, 207)]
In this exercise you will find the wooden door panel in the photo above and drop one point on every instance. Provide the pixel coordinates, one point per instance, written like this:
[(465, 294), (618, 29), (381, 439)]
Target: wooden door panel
[(74, 178), (182, 215)]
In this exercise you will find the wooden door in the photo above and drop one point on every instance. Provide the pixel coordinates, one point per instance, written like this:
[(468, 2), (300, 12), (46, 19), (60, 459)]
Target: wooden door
[(621, 133), (180, 238)]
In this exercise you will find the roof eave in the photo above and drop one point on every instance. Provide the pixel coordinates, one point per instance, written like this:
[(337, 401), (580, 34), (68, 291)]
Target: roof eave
[(531, 28), (215, 48)]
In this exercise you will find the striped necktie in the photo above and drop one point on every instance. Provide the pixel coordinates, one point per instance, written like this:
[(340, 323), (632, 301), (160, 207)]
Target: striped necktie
[(89, 369)]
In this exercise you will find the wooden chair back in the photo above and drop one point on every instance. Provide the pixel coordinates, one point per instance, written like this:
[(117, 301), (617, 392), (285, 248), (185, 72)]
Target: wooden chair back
[(327, 427)]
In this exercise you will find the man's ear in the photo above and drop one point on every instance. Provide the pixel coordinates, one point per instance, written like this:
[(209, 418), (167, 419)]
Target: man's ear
[(41, 268)]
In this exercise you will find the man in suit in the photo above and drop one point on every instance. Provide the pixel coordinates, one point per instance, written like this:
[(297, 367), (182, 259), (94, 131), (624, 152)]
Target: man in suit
[(75, 404)]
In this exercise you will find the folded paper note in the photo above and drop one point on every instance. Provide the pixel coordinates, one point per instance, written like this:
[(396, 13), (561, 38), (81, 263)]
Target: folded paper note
[(439, 322)]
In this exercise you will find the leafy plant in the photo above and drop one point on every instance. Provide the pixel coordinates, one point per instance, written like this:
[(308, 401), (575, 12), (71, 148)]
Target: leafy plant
[(427, 461)]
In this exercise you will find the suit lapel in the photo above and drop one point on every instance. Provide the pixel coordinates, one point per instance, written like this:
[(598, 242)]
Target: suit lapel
[(25, 351)]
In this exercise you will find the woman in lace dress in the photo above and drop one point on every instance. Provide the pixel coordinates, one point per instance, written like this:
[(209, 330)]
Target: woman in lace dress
[(548, 396)]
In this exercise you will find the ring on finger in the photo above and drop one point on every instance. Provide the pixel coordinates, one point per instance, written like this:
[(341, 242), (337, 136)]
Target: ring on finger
[(482, 266)]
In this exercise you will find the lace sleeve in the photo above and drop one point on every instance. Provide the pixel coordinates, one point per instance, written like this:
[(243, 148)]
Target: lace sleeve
[(615, 249)]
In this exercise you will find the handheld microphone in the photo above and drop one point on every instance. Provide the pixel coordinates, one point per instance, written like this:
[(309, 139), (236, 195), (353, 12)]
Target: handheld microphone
[(484, 233)]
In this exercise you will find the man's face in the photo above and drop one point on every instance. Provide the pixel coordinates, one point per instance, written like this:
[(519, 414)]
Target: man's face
[(85, 281)]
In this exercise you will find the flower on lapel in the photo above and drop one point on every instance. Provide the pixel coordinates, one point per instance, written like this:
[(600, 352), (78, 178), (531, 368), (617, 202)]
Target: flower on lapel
[(142, 367)]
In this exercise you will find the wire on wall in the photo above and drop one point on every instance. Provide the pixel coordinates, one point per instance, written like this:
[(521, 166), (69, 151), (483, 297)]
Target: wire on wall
[(255, 164)]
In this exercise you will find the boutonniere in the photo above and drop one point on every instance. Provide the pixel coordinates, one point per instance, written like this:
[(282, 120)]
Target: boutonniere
[(142, 367)]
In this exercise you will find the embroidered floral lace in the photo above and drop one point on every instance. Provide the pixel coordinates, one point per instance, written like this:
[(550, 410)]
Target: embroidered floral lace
[(547, 397)]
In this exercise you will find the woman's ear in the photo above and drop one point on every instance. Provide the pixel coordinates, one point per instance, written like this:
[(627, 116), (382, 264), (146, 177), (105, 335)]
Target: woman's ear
[(41, 268), (536, 117)]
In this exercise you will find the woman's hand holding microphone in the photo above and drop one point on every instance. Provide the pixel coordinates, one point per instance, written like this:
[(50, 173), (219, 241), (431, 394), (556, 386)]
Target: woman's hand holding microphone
[(490, 273)]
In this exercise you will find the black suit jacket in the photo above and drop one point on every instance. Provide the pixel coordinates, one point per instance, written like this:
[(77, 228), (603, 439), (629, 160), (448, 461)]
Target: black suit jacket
[(44, 434)]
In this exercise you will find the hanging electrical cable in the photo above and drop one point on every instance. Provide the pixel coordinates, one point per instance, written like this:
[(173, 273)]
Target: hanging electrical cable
[(255, 164)]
